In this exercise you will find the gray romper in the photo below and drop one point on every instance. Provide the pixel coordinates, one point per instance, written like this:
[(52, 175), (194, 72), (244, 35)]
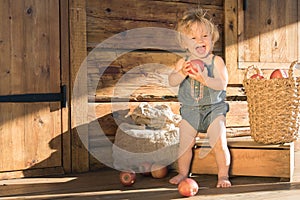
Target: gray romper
[(200, 105)]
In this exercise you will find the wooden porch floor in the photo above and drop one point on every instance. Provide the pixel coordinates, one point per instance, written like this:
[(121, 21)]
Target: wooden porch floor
[(104, 184)]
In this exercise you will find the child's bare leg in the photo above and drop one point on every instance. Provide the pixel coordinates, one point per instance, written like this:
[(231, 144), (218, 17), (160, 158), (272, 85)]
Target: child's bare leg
[(186, 143), (218, 141)]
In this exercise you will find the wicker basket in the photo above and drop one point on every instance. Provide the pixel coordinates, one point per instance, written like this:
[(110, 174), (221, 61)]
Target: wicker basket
[(273, 106)]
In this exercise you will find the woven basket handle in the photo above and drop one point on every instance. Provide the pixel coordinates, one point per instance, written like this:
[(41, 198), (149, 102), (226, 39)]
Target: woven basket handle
[(251, 68), (292, 69)]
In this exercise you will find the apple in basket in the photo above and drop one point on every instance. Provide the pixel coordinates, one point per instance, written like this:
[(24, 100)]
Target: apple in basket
[(188, 187), (278, 73), (127, 178), (257, 76), (195, 63)]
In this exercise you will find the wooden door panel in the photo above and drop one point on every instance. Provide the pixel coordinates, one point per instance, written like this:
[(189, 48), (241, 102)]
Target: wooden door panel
[(265, 34), (248, 39), (42, 141), (30, 133), (268, 31), (279, 28)]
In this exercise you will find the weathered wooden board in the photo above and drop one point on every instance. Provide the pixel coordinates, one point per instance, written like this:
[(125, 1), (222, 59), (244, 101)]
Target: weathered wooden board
[(30, 63), (104, 72), (100, 58), (110, 114), (150, 92), (248, 158), (110, 69), (32, 172), (90, 186), (230, 41), (107, 18), (65, 80), (78, 52)]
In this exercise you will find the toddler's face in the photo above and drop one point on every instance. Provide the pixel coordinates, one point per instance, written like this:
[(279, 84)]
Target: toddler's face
[(198, 41)]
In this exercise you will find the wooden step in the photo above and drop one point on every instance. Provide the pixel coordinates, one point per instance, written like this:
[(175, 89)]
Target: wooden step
[(248, 158)]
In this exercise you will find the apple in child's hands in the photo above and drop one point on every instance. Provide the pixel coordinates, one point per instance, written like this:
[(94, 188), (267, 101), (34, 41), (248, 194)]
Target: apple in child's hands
[(196, 64), (127, 178)]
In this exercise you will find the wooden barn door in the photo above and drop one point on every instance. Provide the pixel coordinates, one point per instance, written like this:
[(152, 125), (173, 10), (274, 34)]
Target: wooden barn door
[(264, 33), (30, 133)]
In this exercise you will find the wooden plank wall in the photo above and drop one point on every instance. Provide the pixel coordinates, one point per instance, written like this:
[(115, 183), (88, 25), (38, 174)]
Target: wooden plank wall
[(140, 75)]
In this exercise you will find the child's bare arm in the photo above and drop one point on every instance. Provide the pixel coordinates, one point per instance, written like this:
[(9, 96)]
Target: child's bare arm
[(179, 73), (220, 80)]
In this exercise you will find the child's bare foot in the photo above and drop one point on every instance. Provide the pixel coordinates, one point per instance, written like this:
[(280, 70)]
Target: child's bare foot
[(177, 179), (223, 182)]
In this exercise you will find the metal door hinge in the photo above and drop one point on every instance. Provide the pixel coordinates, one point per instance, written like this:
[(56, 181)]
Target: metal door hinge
[(245, 5), (39, 97)]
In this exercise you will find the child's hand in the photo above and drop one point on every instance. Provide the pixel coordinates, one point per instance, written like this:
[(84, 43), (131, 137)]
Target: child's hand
[(186, 68), (200, 76)]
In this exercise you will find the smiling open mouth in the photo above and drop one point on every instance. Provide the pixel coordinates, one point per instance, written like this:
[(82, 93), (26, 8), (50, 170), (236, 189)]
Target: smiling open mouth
[(201, 49)]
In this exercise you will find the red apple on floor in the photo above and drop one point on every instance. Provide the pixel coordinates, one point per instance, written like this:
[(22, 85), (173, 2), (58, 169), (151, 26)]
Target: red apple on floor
[(188, 187), (145, 168), (158, 170), (278, 73), (127, 178), (195, 63)]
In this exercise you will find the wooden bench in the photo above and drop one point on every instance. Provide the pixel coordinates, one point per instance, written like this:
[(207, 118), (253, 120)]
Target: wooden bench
[(248, 158)]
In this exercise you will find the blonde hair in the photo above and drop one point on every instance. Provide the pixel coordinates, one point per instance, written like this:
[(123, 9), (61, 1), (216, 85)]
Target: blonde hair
[(197, 15)]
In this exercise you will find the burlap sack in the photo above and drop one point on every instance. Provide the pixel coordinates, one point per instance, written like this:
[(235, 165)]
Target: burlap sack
[(135, 145), (156, 117)]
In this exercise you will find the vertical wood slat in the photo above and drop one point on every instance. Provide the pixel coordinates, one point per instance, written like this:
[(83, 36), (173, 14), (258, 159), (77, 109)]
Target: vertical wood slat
[(298, 31), (11, 81), (79, 108), (55, 78), (54, 51), (32, 45), (280, 50), (43, 21), (42, 47), (248, 33), (231, 46), (266, 25), (4, 68), (292, 32), (65, 80)]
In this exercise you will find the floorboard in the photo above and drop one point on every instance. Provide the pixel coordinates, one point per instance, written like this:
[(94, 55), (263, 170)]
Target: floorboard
[(104, 184)]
